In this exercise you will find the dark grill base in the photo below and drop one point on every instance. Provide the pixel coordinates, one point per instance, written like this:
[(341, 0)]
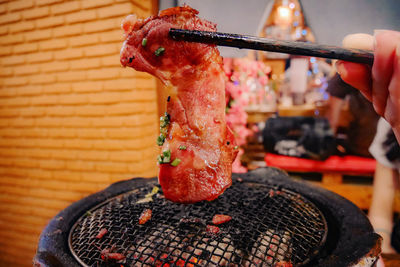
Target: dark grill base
[(177, 236), (268, 225)]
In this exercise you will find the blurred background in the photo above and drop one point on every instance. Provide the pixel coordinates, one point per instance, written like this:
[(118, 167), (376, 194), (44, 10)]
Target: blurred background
[(73, 121)]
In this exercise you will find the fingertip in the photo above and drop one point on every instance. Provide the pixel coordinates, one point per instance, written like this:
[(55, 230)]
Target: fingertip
[(356, 75), (359, 40)]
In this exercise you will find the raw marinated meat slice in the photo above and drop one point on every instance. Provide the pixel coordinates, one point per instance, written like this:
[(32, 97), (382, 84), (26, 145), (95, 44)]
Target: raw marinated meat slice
[(197, 146)]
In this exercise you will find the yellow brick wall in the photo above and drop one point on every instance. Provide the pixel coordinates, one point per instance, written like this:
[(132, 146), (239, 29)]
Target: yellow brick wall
[(72, 120)]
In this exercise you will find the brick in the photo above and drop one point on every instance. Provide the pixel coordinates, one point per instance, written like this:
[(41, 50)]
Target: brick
[(10, 17), (87, 63), (78, 165), (68, 7), (4, 123), (36, 153), (101, 25), (125, 156), (82, 16), (52, 164), (18, 5), (53, 44), (64, 154), (26, 69), (95, 176), (3, 30), (68, 30), (47, 2), (26, 48), (107, 122), (33, 112), (110, 61), (12, 39), (119, 109), (92, 133), (57, 88), (61, 132), (9, 113), (95, 155), (49, 143), (13, 60), (27, 163), (112, 36), (23, 122), (140, 143), (55, 66), (144, 5), (3, 9), (71, 76), (48, 122), (61, 111), (128, 73), (67, 176), (8, 91), (122, 133), (113, 167), (50, 21), (35, 133), (141, 96), (38, 12), (78, 144), (39, 57), (105, 98), (96, 3), (74, 99), (115, 10), (71, 53), (29, 90), (87, 86), (90, 111), (76, 122), (45, 100), (38, 35), (22, 26), (83, 40), (15, 81), (42, 79), (5, 51), (103, 74), (101, 50), (6, 72)]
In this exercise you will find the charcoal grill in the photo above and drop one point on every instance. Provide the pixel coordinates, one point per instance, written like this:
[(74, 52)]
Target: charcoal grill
[(274, 221)]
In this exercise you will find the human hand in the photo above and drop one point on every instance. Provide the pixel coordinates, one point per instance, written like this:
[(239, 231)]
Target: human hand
[(381, 83)]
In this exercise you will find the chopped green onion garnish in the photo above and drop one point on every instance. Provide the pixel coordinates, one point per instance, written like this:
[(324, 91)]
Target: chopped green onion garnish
[(175, 162), (165, 157), (160, 140), (159, 51), (236, 147), (144, 41), (164, 120), (182, 147)]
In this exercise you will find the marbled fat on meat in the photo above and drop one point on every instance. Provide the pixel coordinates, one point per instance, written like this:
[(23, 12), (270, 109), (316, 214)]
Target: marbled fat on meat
[(197, 133)]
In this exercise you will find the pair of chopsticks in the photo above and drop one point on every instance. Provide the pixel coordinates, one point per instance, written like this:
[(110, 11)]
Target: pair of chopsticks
[(265, 44)]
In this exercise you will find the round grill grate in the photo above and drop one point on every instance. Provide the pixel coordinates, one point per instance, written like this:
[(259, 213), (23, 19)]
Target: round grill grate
[(269, 226)]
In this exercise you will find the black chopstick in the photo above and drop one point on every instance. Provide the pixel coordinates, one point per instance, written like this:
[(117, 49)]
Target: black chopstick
[(265, 44)]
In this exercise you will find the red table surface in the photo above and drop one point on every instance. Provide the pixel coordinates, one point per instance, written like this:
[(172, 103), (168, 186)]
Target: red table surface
[(349, 164)]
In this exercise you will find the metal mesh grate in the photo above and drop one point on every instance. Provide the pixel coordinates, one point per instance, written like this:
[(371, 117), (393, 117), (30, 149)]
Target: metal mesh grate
[(269, 225)]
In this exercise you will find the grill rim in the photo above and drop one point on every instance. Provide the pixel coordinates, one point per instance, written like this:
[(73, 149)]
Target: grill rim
[(353, 225)]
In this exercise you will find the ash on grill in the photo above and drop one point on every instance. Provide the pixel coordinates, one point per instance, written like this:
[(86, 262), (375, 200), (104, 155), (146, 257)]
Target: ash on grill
[(269, 226)]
